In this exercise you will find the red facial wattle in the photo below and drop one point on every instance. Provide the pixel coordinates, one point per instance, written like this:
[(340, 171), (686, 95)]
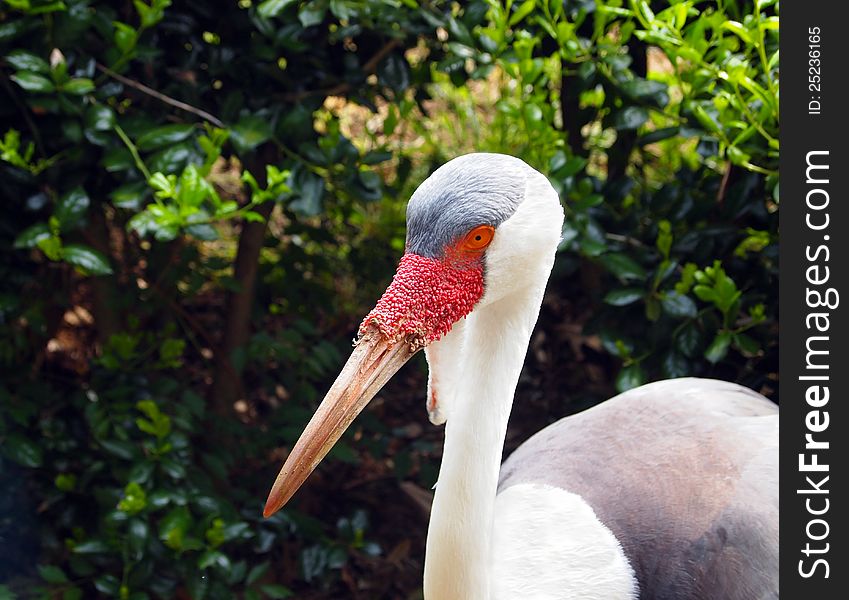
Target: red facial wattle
[(426, 297)]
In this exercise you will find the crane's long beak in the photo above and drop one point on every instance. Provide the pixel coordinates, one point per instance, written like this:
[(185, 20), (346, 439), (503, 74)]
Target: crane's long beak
[(373, 362)]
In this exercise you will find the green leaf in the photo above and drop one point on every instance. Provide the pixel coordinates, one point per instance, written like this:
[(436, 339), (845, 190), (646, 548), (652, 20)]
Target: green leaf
[(312, 13), (172, 158), (161, 183), (705, 293), (137, 536), (141, 472), (108, 584), (737, 156), (49, 7), (159, 424), (22, 60), (664, 244), (92, 547), (532, 113), (125, 37), (675, 365), (678, 305), (129, 195), (460, 32), (11, 29), (71, 207), (310, 194), (23, 451), (118, 158), (707, 121), (687, 340), (205, 231), (119, 448), (65, 482), (394, 72), (624, 296), (79, 86), (630, 377), (746, 344), (718, 347), (623, 266), (173, 527), (646, 90), (652, 308), (213, 558), (250, 132), (99, 118), (272, 8), (630, 117), (375, 157), (257, 572), (164, 136), (71, 593), (524, 9), (32, 235), (145, 223), (587, 202), (51, 245), (151, 15), (739, 30), (33, 82), (562, 167), (658, 135), (52, 574), (88, 260), (273, 590)]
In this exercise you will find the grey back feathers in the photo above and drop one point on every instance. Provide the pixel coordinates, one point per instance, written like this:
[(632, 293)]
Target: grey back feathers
[(684, 472), (470, 190)]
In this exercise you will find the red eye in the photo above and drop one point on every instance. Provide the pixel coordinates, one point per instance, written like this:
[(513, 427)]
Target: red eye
[(478, 238)]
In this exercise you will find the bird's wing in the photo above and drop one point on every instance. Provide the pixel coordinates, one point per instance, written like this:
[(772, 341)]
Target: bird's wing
[(548, 544), (684, 472)]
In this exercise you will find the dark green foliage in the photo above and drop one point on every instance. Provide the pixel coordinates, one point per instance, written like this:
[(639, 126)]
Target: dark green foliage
[(160, 160), (658, 124)]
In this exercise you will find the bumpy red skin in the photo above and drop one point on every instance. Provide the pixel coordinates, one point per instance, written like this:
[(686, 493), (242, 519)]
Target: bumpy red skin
[(426, 297)]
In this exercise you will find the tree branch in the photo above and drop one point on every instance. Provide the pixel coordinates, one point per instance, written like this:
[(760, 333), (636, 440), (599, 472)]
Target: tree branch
[(160, 96)]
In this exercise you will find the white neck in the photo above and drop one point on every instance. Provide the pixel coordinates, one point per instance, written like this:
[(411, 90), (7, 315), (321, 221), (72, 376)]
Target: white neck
[(458, 557)]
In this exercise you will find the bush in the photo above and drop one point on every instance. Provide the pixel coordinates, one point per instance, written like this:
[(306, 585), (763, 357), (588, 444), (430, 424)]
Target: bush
[(660, 131)]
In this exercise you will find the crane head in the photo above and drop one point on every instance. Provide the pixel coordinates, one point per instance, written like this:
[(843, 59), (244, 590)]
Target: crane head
[(458, 257)]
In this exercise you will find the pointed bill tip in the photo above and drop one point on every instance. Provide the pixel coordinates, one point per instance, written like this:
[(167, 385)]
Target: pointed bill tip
[(282, 491), (270, 508), (373, 361)]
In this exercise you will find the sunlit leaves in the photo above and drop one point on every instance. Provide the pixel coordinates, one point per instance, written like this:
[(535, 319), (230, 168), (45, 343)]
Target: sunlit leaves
[(155, 423), (23, 60), (151, 12), (181, 202), (271, 8), (33, 82)]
